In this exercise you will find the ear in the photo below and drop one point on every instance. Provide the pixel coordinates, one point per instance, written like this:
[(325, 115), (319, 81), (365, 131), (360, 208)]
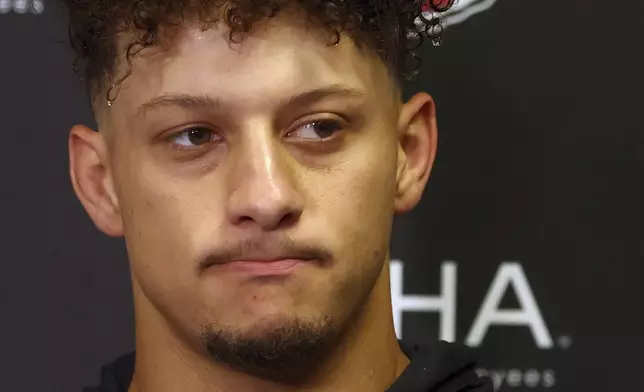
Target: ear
[(92, 179), (417, 137)]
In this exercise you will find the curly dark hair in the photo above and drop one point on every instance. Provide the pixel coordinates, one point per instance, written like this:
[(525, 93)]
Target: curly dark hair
[(394, 29)]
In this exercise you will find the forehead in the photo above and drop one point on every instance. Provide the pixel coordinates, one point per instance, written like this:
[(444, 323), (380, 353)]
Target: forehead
[(282, 56)]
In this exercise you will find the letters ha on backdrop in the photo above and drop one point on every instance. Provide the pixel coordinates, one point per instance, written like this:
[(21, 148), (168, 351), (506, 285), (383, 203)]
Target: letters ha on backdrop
[(509, 275)]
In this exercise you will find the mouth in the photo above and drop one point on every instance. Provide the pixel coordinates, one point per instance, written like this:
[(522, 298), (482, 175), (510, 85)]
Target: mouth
[(262, 268), (263, 259), (261, 265)]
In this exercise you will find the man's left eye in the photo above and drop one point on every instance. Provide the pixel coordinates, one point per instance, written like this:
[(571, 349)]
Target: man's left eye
[(318, 130)]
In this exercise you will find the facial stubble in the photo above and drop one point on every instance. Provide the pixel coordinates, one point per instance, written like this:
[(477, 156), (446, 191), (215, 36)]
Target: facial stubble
[(287, 354)]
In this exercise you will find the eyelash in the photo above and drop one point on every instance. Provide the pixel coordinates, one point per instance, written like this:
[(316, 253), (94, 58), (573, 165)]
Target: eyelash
[(338, 125), (186, 132), (215, 136)]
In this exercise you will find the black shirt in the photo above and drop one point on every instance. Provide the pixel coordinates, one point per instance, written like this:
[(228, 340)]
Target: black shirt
[(443, 367)]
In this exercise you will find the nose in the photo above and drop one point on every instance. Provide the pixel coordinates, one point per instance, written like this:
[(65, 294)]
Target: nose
[(264, 190)]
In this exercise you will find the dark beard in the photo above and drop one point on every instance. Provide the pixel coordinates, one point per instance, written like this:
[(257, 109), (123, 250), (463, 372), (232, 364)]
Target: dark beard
[(288, 354)]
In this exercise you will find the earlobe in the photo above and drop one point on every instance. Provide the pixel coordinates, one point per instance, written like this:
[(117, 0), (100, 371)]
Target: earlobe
[(92, 180), (418, 137)]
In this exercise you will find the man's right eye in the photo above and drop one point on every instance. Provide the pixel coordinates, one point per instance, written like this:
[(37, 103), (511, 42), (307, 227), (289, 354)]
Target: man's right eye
[(194, 137)]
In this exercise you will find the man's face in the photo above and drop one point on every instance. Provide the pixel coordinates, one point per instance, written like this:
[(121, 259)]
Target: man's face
[(224, 157)]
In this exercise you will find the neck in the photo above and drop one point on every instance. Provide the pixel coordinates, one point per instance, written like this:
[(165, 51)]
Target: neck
[(368, 357)]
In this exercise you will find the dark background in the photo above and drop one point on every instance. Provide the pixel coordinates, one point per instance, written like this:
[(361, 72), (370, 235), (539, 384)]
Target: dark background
[(540, 164)]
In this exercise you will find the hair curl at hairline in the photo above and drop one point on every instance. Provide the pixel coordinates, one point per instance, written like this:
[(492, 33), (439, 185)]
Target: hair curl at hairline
[(394, 29)]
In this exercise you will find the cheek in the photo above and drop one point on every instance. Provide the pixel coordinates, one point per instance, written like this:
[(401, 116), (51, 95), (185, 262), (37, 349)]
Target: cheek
[(357, 211), (167, 229), (165, 220), (358, 201)]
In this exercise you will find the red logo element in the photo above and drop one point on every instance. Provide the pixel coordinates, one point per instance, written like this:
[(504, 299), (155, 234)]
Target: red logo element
[(437, 5)]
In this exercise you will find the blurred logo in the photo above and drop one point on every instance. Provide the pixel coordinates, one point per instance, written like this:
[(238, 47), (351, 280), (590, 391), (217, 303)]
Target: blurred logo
[(460, 10), (22, 6)]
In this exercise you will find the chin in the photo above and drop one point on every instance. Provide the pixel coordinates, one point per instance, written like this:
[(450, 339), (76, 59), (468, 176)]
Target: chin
[(266, 347), (261, 323), (261, 320), (261, 306)]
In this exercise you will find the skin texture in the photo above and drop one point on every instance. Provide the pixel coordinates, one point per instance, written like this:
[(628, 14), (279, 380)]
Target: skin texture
[(264, 184)]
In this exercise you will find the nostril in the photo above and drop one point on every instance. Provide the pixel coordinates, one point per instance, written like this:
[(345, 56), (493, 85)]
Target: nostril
[(289, 219), (268, 222), (269, 210), (245, 219)]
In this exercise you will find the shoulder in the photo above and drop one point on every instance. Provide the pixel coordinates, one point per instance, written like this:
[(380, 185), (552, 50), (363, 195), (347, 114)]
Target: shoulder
[(115, 376), (441, 367)]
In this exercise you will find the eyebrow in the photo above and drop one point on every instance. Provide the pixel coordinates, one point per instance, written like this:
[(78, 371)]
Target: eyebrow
[(202, 102), (335, 90), (187, 101)]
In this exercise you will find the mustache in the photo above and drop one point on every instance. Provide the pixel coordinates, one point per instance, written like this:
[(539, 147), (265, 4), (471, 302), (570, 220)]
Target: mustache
[(260, 248)]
